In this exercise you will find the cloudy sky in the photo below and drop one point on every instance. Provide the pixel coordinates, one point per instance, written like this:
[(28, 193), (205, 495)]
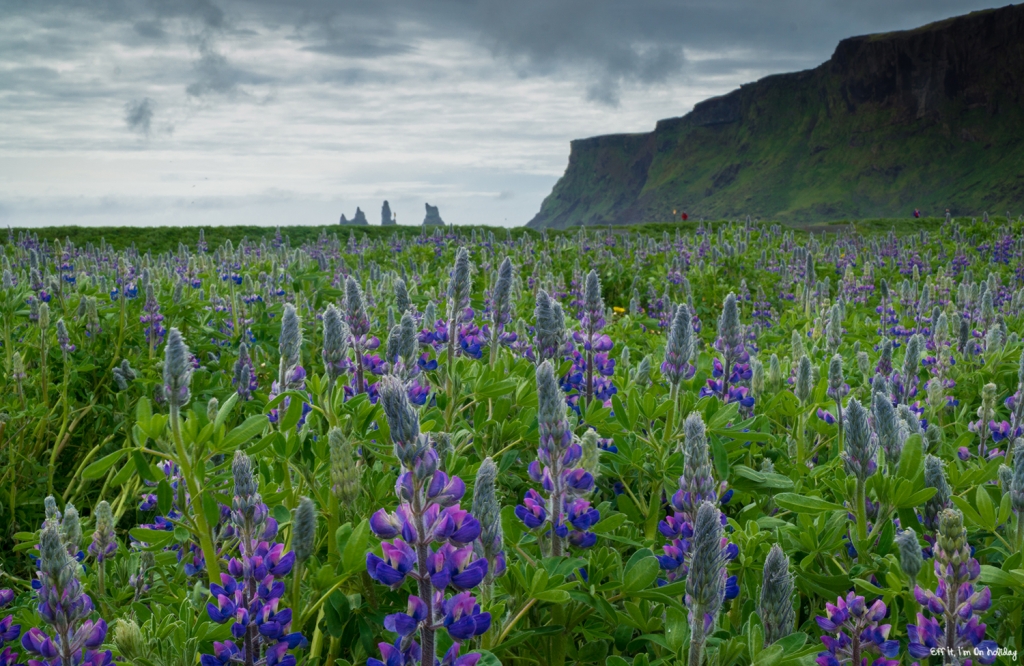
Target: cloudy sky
[(144, 112)]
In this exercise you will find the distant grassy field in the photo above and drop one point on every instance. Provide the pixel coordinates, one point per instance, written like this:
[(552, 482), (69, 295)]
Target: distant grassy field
[(162, 239)]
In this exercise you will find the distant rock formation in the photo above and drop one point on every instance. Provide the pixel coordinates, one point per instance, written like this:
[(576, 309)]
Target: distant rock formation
[(359, 220), (433, 218), (386, 218)]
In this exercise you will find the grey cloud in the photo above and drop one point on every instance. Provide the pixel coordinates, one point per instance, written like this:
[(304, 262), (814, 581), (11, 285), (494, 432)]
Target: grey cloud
[(150, 29), (138, 115), (603, 44)]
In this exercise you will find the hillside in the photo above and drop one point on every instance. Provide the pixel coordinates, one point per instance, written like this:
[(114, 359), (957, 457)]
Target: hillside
[(931, 118)]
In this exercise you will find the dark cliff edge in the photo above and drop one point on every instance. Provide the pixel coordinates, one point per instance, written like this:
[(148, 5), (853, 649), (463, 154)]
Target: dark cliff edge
[(931, 118)]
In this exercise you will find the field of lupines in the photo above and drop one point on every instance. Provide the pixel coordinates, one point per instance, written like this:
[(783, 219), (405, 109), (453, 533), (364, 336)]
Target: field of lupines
[(730, 444)]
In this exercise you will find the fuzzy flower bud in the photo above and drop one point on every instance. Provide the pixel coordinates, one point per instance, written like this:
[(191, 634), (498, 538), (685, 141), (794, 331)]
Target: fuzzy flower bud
[(103, 543), (835, 377), (247, 509), (935, 477), (177, 370), (678, 347), (550, 326), (459, 285), (756, 377), (403, 421), (555, 435), (591, 459), (593, 303), (729, 324), (775, 376), (705, 584), (1016, 487), (887, 426), (303, 530), (336, 338), (861, 449), (834, 329), (402, 303), (355, 309), (911, 559), (803, 380), (501, 311), (130, 643), (71, 529), (290, 342), (344, 472), (487, 510), (776, 604)]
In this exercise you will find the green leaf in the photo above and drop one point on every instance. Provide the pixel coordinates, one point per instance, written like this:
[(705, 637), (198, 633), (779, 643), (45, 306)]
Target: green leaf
[(497, 389), (720, 458), (553, 596), (594, 652), (911, 458), (100, 467), (143, 412), (675, 628), (143, 468), (609, 524), (211, 509), (986, 511), (164, 497), (157, 538), (917, 499), (969, 513), (487, 658), (123, 474), (803, 504), (225, 410), (249, 428), (995, 576), (291, 416), (354, 555), (641, 575), (621, 415)]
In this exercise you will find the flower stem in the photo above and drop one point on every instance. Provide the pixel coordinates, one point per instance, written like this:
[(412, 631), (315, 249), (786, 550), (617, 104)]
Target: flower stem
[(861, 511), (696, 637), (199, 515)]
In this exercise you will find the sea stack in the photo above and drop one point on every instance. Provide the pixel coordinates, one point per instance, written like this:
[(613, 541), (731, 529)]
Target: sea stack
[(386, 218), (433, 218)]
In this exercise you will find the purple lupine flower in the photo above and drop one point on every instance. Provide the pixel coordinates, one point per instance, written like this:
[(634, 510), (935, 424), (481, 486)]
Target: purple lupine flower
[(252, 590), (556, 470), (244, 379), (152, 318), (429, 514), (63, 339), (8, 631), (696, 486), (857, 633), (65, 607), (956, 605), (707, 582)]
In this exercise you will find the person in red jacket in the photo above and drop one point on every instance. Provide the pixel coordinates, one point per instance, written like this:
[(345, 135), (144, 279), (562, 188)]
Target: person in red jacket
[(685, 216), (917, 212)]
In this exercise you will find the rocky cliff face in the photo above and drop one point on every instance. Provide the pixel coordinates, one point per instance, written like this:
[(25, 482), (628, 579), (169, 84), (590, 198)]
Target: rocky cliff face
[(929, 118)]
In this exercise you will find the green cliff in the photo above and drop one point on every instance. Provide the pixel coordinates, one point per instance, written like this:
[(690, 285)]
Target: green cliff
[(931, 118)]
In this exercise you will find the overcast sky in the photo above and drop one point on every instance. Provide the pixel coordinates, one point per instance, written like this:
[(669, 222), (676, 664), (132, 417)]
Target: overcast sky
[(284, 112)]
